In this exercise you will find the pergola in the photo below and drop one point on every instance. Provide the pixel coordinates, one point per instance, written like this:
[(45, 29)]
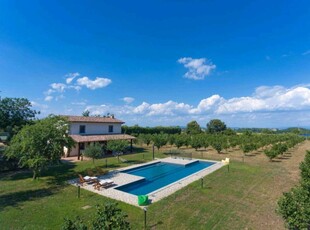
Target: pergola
[(100, 138)]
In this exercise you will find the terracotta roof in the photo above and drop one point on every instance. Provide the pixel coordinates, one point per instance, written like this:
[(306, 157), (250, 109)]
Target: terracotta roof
[(93, 119), (108, 137)]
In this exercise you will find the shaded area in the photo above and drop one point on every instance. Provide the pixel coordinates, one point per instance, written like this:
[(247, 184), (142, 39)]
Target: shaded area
[(17, 198)]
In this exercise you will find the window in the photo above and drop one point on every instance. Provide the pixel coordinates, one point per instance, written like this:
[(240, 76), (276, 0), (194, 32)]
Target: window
[(110, 128), (82, 128)]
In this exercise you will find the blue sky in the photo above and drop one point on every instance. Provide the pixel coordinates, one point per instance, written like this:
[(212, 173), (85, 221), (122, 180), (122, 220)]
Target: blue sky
[(160, 62)]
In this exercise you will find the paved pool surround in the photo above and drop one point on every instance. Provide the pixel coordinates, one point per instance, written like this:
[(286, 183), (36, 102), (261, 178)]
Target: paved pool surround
[(121, 178)]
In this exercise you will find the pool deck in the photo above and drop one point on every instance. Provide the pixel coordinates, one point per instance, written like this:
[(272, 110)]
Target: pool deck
[(120, 179)]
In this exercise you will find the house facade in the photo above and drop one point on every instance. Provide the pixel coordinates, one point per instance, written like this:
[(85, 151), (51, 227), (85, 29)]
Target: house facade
[(87, 130)]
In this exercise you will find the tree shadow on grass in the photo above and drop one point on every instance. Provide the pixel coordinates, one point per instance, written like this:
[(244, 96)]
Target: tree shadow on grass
[(16, 198), (16, 175)]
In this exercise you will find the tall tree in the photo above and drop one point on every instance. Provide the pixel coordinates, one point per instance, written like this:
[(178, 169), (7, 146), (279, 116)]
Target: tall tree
[(216, 126), (193, 128), (41, 144), (15, 113)]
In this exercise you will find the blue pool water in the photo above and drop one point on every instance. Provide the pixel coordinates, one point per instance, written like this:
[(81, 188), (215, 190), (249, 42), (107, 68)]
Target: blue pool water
[(160, 174)]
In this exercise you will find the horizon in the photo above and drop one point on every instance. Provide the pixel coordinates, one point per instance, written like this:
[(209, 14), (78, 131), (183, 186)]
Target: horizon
[(160, 63)]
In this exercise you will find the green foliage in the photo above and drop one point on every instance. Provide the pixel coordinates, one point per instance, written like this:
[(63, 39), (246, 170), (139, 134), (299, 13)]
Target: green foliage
[(217, 145), (145, 138), (305, 168), (76, 224), (86, 113), (197, 142), (294, 206), (93, 151), (271, 154), (15, 113), (117, 145), (39, 145), (108, 217), (150, 130), (180, 140), (159, 140), (193, 128), (246, 148), (216, 126)]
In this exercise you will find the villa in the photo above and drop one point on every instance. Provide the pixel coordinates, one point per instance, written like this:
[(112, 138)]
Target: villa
[(86, 130)]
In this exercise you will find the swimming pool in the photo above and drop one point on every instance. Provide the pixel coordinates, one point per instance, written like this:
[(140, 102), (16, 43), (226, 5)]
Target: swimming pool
[(160, 174)]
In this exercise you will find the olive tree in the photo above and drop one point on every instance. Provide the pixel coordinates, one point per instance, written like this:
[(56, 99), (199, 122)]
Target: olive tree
[(93, 151)]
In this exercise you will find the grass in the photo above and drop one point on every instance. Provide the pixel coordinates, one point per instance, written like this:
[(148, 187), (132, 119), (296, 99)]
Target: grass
[(243, 198)]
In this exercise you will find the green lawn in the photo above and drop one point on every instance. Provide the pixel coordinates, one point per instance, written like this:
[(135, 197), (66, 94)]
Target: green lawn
[(229, 200)]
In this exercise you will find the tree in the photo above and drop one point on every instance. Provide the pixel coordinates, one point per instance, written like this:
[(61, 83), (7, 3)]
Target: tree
[(108, 216), (305, 168), (179, 140), (117, 145), (159, 140), (15, 113), (216, 126), (294, 206), (39, 145), (271, 153), (196, 142), (93, 151), (86, 113), (193, 128), (217, 145), (146, 138)]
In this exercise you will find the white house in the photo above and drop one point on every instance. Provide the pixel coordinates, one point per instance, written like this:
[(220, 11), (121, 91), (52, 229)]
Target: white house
[(86, 130)]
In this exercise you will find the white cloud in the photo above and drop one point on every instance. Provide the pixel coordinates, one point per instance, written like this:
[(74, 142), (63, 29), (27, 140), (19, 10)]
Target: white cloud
[(56, 90), (71, 76), (48, 98), (94, 84), (198, 68), (128, 100), (59, 87), (264, 99)]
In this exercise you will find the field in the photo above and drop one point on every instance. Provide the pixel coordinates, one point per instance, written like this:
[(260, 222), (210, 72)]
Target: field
[(243, 198)]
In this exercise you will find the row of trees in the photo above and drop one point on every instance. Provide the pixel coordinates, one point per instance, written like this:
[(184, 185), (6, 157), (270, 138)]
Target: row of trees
[(136, 130), (214, 126), (294, 206), (248, 143)]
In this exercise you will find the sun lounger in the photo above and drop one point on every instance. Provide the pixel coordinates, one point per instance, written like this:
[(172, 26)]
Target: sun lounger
[(87, 179), (103, 184)]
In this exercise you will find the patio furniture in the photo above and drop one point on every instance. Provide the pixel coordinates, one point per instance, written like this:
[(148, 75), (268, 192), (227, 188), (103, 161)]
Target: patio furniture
[(87, 179), (103, 184)]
